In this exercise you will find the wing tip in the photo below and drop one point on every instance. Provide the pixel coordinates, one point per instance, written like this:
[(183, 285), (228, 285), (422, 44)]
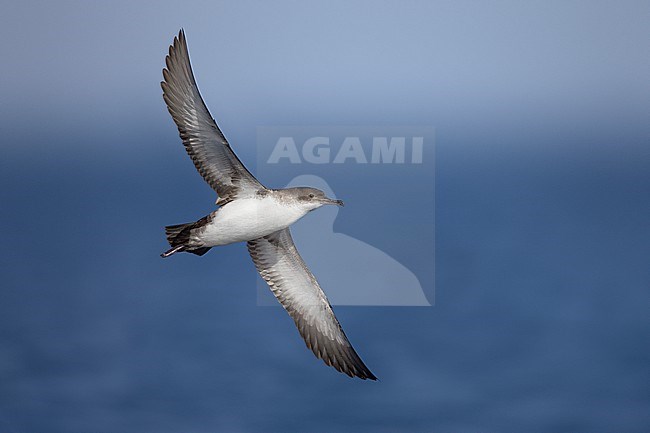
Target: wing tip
[(177, 48), (180, 41), (361, 371), (344, 361), (369, 376), (180, 36), (366, 375)]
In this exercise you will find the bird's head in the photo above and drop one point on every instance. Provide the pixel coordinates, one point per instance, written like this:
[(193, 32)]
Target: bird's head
[(311, 198)]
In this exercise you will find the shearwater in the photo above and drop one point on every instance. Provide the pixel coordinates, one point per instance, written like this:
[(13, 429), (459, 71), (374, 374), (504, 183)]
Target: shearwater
[(249, 212)]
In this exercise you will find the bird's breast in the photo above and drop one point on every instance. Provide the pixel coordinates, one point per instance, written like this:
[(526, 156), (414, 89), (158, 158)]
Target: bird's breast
[(249, 218)]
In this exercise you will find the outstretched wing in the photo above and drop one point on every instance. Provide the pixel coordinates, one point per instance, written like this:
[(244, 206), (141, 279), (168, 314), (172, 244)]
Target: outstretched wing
[(204, 142), (278, 262)]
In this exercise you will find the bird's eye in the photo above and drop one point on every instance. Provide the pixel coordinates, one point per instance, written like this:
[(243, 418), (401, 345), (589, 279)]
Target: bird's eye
[(311, 195)]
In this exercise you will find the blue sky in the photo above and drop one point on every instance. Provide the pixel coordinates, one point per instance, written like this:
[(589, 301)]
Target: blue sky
[(473, 65)]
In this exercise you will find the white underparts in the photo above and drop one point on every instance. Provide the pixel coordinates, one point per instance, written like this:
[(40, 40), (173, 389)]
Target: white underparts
[(246, 219)]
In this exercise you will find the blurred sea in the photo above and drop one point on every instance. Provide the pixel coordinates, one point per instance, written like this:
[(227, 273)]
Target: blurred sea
[(541, 320)]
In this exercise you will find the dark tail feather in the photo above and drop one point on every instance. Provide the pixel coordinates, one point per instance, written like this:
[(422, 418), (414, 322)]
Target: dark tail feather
[(173, 232), (199, 251), (178, 237)]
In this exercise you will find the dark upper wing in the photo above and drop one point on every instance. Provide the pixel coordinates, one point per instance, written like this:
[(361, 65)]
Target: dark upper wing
[(278, 262), (204, 142)]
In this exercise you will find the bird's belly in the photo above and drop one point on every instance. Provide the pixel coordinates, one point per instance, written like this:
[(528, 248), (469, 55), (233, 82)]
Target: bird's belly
[(247, 219)]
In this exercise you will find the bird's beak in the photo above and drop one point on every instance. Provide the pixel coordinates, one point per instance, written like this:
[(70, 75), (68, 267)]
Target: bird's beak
[(332, 201)]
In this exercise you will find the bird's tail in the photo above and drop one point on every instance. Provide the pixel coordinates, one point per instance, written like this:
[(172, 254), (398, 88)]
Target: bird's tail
[(178, 237)]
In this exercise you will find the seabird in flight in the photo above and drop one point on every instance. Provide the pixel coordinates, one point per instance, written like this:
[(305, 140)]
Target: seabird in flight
[(249, 212)]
